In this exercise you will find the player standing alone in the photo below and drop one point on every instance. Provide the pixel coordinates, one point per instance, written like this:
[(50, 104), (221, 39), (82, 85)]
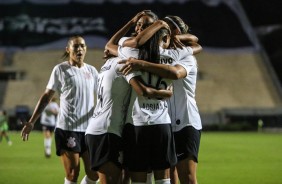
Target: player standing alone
[(76, 82)]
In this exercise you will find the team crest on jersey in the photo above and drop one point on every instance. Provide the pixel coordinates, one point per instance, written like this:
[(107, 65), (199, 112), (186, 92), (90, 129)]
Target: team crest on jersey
[(87, 75), (71, 142)]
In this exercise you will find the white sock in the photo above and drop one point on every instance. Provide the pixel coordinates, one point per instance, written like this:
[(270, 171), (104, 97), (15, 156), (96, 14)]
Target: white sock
[(163, 181), (69, 182), (47, 145), (49, 142), (87, 180), (149, 178)]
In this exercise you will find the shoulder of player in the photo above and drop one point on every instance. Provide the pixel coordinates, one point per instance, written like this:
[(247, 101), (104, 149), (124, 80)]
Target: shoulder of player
[(91, 67)]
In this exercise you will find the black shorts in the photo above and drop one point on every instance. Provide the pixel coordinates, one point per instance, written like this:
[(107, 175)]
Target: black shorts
[(104, 148), (187, 143), (70, 141), (148, 147), (47, 127)]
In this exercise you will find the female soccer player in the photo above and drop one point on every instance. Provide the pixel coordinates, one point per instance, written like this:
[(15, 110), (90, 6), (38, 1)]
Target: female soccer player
[(103, 134), (4, 127), (186, 122), (140, 21), (142, 116), (48, 122), (149, 123), (76, 82)]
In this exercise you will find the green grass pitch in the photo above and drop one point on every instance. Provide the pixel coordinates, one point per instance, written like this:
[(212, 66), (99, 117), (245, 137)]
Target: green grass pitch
[(225, 158)]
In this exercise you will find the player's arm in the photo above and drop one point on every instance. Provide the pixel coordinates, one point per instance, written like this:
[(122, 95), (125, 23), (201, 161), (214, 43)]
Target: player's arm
[(165, 71), (39, 108), (143, 90), (112, 45), (185, 40), (147, 33)]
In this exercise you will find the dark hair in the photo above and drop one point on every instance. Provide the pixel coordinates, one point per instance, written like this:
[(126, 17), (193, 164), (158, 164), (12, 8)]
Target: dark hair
[(151, 15), (150, 50), (66, 54), (184, 28)]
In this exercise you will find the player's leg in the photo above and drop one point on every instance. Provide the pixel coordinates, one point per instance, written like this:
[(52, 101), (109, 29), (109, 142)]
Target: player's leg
[(1, 135), (47, 142), (138, 177), (90, 174), (125, 177), (68, 147), (127, 141), (162, 176), (150, 177), (109, 173), (71, 163), (136, 153), (173, 175), (187, 145), (5, 134), (187, 171), (105, 156)]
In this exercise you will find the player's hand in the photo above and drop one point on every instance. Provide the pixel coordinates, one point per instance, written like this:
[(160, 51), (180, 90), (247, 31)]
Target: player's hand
[(28, 126), (130, 65), (170, 88), (126, 68), (176, 43), (139, 15)]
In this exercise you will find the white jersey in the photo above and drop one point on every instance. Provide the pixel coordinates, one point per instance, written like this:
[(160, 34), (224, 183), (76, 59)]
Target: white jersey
[(48, 117), (148, 111), (183, 109), (76, 87), (112, 100)]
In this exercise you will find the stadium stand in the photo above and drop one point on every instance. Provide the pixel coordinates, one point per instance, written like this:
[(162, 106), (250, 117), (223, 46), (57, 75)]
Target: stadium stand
[(38, 66), (234, 80), (228, 80)]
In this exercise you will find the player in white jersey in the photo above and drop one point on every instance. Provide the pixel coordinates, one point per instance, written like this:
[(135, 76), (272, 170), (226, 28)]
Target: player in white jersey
[(164, 60), (149, 121), (141, 20), (184, 112), (103, 134), (186, 121), (48, 122), (76, 83)]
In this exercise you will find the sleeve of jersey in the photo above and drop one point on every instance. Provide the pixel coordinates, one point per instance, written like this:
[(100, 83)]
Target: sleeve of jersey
[(189, 50), (95, 76), (54, 79), (127, 52), (187, 61), (121, 41), (129, 76)]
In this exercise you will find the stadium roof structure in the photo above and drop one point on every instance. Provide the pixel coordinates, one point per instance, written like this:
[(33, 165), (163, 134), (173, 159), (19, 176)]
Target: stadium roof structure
[(41, 24)]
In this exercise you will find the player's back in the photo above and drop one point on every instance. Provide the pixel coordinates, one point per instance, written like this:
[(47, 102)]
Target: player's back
[(112, 100)]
